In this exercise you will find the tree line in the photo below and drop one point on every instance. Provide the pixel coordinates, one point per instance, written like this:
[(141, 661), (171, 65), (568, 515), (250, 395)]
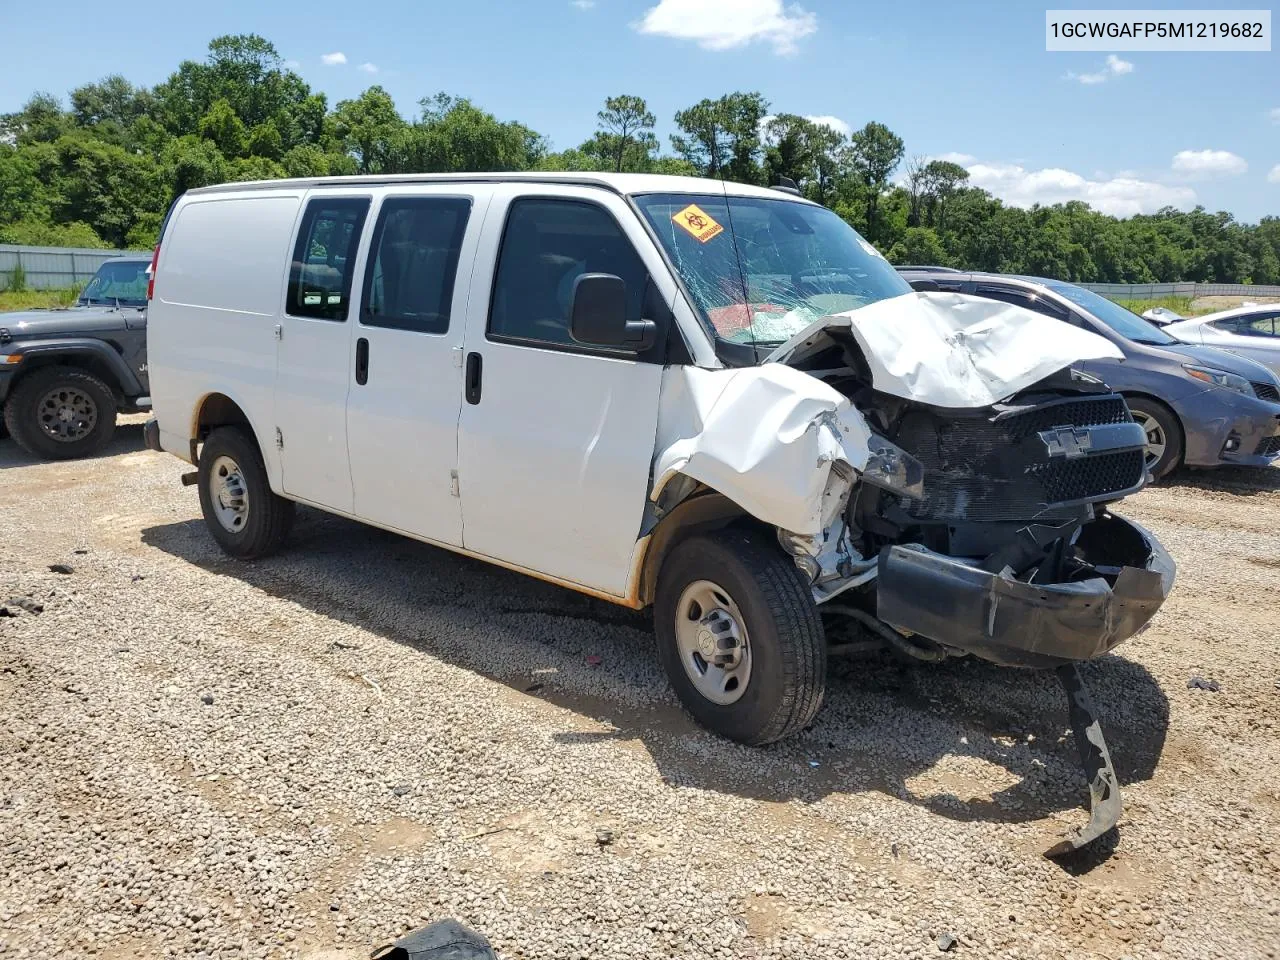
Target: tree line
[(102, 170)]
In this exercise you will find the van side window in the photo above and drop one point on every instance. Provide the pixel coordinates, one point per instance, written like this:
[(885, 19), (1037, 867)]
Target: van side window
[(413, 262), (324, 258), (548, 244)]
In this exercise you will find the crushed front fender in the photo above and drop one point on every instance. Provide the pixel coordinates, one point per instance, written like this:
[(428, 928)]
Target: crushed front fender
[(1007, 621)]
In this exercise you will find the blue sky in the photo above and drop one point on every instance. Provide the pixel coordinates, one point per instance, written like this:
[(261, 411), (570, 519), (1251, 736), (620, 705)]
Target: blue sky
[(967, 80)]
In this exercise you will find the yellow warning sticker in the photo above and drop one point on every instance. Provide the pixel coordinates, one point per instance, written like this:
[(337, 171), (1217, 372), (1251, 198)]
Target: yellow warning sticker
[(699, 223)]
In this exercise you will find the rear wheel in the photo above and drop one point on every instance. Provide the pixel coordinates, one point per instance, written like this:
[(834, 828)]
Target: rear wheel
[(61, 413), (1164, 434), (246, 518), (739, 636)]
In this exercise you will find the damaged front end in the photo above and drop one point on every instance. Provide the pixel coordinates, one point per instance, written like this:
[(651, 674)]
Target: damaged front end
[(962, 501)]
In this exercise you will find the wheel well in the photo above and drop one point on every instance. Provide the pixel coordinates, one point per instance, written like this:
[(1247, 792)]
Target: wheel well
[(1138, 395), (701, 512), (217, 410), (87, 362)]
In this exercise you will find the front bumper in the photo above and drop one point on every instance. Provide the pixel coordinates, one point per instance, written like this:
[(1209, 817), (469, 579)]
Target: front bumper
[(1220, 419), (1009, 622), (6, 380)]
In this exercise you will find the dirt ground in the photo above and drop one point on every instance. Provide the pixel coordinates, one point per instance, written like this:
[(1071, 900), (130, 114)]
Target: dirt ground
[(308, 755)]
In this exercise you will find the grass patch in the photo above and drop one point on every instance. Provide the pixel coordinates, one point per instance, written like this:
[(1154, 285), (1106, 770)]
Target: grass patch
[(1180, 305), (35, 299)]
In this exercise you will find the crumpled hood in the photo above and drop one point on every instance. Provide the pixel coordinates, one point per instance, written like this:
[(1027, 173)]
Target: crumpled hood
[(72, 322), (951, 349)]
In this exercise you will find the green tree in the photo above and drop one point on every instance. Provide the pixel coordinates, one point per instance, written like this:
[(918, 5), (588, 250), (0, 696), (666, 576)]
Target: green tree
[(942, 179), (721, 138), (625, 138), (803, 151), (875, 152), (370, 129), (224, 129)]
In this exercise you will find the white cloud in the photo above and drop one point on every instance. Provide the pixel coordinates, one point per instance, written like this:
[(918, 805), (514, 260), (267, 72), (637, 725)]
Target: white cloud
[(1118, 196), (1114, 67), (1209, 163), (583, 4), (291, 64), (728, 24), (1274, 114), (369, 67), (964, 159), (835, 123), (333, 59), (1274, 175)]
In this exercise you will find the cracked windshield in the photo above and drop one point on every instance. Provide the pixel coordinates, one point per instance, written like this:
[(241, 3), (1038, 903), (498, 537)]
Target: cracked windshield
[(760, 270)]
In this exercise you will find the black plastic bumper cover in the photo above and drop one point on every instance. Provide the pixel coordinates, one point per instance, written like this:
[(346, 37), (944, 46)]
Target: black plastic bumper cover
[(1006, 621)]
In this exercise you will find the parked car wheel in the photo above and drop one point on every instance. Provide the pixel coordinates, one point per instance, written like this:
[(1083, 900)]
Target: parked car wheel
[(1164, 434), (739, 636), (246, 518), (61, 413)]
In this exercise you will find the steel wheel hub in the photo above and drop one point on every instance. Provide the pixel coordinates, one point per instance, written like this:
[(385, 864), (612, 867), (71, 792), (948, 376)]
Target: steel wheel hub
[(712, 639), (67, 414), (1156, 441), (229, 494)]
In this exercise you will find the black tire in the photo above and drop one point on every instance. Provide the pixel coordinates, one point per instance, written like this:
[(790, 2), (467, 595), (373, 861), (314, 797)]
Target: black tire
[(266, 518), (87, 400), (1156, 413), (788, 649)]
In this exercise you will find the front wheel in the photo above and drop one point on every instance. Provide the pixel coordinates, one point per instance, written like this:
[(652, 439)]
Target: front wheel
[(1164, 434), (246, 518), (739, 636), (61, 413)]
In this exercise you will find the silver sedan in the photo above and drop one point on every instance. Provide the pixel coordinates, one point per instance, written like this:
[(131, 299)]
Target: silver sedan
[(1252, 332)]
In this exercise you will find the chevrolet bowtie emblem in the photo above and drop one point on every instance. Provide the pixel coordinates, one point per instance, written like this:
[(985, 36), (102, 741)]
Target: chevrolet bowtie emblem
[(1069, 442)]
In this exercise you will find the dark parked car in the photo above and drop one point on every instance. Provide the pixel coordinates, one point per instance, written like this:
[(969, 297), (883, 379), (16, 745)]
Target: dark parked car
[(65, 374), (1199, 406)]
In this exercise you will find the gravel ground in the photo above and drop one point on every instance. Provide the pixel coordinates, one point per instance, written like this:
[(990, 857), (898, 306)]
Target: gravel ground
[(309, 755)]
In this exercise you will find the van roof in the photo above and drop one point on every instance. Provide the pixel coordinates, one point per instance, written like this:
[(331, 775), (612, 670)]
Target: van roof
[(621, 183)]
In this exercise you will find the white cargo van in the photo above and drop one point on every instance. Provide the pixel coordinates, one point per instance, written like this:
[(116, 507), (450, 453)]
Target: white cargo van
[(713, 399)]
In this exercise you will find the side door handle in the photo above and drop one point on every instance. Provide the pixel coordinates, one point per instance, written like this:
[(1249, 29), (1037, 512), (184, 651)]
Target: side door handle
[(475, 366), (362, 361)]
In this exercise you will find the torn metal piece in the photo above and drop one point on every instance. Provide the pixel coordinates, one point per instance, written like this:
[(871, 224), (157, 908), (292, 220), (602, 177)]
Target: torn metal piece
[(1105, 804), (784, 446), (950, 349)]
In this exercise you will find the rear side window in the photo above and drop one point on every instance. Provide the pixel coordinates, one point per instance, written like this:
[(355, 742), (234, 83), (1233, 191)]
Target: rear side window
[(548, 244), (324, 258), (1028, 301), (413, 263)]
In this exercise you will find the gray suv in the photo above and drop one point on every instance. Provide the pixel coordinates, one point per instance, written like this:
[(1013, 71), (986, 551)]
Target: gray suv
[(1199, 406), (65, 374)]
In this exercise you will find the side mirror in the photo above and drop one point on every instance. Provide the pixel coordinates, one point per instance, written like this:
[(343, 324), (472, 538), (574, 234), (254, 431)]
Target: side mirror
[(925, 286), (598, 317)]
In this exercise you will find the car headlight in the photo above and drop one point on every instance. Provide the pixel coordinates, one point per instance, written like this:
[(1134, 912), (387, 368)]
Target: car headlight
[(1220, 378)]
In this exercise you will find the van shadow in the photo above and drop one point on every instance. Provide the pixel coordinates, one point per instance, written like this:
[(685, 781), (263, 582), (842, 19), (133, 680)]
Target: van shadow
[(1238, 481), (126, 439), (965, 739)]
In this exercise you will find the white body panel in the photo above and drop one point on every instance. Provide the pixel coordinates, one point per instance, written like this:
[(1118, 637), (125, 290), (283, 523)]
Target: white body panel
[(219, 286), (1257, 345), (554, 459), (402, 424)]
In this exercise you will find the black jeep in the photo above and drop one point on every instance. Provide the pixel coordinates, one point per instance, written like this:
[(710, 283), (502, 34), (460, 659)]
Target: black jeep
[(65, 374)]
